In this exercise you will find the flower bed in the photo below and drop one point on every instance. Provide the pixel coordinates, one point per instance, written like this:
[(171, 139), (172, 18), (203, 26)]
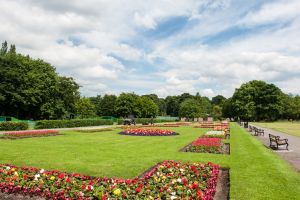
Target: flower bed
[(148, 132), (26, 134), (215, 134), (168, 180), (206, 145)]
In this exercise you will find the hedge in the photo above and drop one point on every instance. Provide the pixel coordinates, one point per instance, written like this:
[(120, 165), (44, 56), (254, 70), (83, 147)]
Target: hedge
[(13, 126), (147, 120), (43, 124)]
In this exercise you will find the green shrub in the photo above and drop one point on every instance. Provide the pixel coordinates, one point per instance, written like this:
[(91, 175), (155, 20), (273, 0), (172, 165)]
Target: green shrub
[(43, 124), (147, 121), (13, 126)]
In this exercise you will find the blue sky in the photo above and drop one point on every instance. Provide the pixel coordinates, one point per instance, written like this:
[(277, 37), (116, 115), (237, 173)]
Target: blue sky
[(165, 47)]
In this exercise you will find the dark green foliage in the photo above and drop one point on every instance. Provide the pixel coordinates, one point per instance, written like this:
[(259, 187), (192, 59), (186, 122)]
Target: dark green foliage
[(45, 124), (107, 105), (258, 100), (190, 108), (31, 88), (218, 100), (13, 126), (85, 108), (147, 121)]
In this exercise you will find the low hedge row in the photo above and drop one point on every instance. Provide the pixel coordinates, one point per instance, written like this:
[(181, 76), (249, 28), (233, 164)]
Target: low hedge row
[(13, 126), (147, 121), (43, 124)]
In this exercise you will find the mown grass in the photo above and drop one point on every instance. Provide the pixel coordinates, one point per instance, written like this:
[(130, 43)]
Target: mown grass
[(291, 128), (255, 172)]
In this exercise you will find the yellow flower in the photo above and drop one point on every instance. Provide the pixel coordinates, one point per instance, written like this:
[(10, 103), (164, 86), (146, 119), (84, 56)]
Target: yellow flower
[(164, 177), (16, 174), (52, 178), (13, 169), (117, 192)]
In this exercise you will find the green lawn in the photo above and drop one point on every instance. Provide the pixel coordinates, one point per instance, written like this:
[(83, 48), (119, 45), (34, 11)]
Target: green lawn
[(255, 172), (292, 128)]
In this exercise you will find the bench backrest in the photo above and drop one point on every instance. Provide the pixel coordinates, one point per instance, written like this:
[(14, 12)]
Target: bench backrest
[(274, 137)]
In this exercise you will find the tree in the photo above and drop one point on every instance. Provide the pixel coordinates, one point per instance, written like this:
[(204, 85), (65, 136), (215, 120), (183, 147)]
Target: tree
[(217, 112), (190, 109), (227, 109), (218, 100), (31, 88), (128, 104), (148, 108), (172, 106), (85, 108), (257, 100), (108, 105)]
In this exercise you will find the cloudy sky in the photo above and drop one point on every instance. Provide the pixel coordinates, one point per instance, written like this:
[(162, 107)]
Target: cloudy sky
[(165, 47)]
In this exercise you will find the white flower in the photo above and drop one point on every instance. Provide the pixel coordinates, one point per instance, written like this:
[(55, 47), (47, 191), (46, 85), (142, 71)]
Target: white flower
[(173, 197), (173, 193), (42, 171), (157, 173), (179, 180), (36, 177), (7, 168), (182, 170)]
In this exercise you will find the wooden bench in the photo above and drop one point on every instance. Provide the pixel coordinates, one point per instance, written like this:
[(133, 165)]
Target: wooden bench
[(277, 141), (250, 128), (259, 132)]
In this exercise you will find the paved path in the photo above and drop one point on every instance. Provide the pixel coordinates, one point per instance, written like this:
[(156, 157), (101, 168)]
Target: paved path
[(293, 155)]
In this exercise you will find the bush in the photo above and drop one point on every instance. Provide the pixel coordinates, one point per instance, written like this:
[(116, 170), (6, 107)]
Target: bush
[(43, 124), (13, 126), (147, 121)]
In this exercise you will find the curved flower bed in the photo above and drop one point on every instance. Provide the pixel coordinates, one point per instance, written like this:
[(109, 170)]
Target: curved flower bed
[(148, 132), (32, 133), (168, 180), (206, 145)]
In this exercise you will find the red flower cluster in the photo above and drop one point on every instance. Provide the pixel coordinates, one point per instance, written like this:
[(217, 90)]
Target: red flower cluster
[(148, 132), (168, 180), (29, 133), (206, 145), (205, 141)]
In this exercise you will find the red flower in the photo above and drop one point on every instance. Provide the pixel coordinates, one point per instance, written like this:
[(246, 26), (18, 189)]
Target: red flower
[(195, 185), (68, 180), (61, 176), (137, 190), (199, 193)]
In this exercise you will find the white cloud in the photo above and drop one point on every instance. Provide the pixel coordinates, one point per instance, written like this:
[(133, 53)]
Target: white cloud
[(84, 39)]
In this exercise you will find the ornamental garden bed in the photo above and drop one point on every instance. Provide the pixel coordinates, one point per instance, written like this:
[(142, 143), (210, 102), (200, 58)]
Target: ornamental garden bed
[(207, 145), (29, 134), (168, 180), (216, 134), (148, 132)]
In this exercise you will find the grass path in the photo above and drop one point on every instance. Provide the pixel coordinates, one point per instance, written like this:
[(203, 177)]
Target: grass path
[(291, 128), (255, 172)]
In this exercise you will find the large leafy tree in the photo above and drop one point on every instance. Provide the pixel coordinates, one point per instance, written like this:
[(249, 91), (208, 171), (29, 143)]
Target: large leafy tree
[(148, 108), (108, 105), (190, 108), (31, 88), (128, 104), (85, 108), (218, 100), (258, 100), (172, 106)]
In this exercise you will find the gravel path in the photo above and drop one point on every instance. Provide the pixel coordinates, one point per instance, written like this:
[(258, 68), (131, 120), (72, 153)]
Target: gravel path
[(292, 155)]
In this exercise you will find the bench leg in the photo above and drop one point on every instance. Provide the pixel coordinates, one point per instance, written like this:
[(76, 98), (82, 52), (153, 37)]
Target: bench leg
[(287, 146)]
